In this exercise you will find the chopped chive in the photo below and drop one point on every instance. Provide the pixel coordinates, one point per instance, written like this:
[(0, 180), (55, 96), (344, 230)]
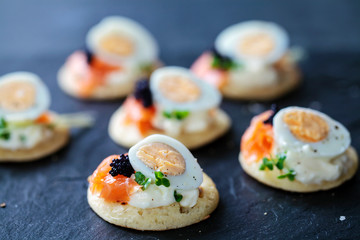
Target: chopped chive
[(290, 175), (278, 161)]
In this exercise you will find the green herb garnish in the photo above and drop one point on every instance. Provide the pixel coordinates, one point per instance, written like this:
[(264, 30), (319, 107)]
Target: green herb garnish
[(4, 133), (267, 163), (167, 114), (278, 162), (161, 180), (179, 115), (3, 123), (223, 63), (178, 197), (142, 180), (290, 175)]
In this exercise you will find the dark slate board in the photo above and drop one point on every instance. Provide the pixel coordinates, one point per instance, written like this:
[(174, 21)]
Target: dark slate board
[(47, 199)]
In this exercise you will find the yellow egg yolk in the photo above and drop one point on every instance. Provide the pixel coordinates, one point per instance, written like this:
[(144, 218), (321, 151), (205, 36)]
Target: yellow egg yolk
[(306, 126), (17, 96), (256, 44), (162, 157), (179, 89), (117, 44)]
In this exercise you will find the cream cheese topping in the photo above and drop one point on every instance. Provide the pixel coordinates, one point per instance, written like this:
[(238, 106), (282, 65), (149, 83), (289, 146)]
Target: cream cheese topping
[(157, 196), (25, 137), (195, 122), (253, 77), (128, 73), (315, 170)]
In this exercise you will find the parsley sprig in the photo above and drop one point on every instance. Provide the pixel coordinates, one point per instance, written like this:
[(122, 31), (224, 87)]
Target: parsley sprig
[(161, 180), (178, 197), (179, 115), (4, 132), (278, 162), (142, 180)]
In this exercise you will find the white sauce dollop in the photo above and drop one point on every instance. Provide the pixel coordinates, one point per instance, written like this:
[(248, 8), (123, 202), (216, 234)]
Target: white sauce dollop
[(25, 137), (195, 122), (157, 196)]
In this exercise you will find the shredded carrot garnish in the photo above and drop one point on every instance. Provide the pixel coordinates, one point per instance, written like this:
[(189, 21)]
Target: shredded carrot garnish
[(258, 140), (45, 118)]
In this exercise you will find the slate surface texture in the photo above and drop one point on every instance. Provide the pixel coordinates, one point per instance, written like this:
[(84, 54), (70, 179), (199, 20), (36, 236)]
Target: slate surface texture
[(47, 199)]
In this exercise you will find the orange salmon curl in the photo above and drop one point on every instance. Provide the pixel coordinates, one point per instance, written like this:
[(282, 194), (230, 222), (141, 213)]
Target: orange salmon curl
[(138, 114), (112, 189)]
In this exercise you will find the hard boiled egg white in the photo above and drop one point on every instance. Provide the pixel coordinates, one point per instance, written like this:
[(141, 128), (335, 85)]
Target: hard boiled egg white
[(120, 40), (171, 157), (326, 137), (177, 88), (23, 96), (253, 42)]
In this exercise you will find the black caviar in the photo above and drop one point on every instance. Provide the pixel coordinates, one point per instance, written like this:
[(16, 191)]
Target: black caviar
[(89, 55), (143, 93), (274, 109), (216, 53), (121, 166)]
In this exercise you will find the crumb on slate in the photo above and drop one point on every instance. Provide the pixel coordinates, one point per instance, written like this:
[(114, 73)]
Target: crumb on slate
[(342, 218), (3, 205), (265, 213)]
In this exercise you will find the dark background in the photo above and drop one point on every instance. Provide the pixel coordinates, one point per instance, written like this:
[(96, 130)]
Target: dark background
[(47, 199)]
